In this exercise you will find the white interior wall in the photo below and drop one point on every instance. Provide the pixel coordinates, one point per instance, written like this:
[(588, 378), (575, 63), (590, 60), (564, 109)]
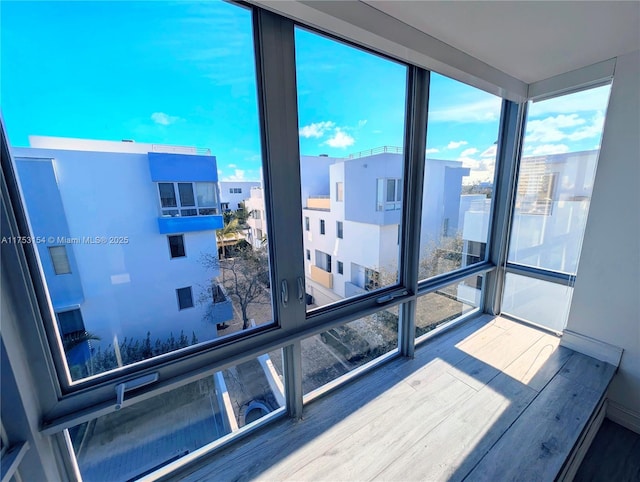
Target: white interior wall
[(606, 299)]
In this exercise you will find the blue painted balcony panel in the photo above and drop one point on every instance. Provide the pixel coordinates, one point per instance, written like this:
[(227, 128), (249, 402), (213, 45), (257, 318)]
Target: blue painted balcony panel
[(182, 167), (222, 311), (189, 224)]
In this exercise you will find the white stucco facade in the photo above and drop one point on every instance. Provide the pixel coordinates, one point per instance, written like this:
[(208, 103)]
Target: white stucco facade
[(104, 208), (233, 193)]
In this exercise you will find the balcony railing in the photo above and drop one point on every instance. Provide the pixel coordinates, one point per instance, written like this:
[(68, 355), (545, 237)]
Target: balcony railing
[(376, 150), (319, 202), (322, 277), (201, 151)]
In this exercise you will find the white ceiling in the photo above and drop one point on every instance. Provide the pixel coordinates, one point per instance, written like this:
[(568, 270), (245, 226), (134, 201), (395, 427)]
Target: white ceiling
[(530, 41)]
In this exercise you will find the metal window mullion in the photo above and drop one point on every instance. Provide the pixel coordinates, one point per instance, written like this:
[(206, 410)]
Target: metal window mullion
[(542, 274), (292, 367), (277, 93), (446, 279), (512, 122), (415, 148)]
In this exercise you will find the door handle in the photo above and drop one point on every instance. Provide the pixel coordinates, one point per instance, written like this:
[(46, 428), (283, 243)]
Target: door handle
[(284, 292), (300, 289)]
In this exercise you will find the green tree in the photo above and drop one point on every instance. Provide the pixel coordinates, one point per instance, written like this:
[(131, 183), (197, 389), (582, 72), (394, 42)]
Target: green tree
[(228, 234), (242, 214)]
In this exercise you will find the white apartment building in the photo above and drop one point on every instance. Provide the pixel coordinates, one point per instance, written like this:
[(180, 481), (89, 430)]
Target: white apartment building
[(256, 221), (119, 229), (352, 219), (233, 193)]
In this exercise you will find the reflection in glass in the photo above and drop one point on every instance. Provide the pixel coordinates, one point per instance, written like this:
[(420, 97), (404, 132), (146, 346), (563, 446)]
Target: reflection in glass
[(447, 304), (141, 438), (555, 180), (537, 301), (459, 173), (340, 350), (351, 175)]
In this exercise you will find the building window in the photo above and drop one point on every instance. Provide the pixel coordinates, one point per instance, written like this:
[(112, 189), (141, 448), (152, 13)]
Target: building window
[(371, 279), (235, 190), (194, 198), (306, 223), (339, 229), (185, 298), (259, 234), (308, 255), (255, 214), (176, 245), (59, 259), (389, 194), (339, 191), (322, 226), (70, 322), (340, 267), (72, 329), (323, 261)]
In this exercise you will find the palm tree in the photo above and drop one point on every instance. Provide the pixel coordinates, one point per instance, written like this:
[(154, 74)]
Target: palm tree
[(229, 230), (72, 340)]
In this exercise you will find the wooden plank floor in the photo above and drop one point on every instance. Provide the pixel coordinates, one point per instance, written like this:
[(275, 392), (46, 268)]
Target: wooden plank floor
[(491, 400), (613, 455)]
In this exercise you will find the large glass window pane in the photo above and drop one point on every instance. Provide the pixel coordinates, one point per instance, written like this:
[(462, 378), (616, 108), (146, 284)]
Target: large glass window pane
[(107, 147), (557, 170), (540, 302), (167, 195), (462, 133), (142, 438), (447, 304), (351, 109), (206, 194), (186, 194), (336, 352)]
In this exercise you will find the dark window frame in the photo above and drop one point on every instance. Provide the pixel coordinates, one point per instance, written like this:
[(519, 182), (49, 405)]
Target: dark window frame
[(181, 247), (189, 300)]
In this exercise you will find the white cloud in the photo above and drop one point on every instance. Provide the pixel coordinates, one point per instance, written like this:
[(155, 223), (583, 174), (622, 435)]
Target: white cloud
[(316, 129), (564, 127), (456, 144), (164, 119), (481, 169), (592, 130), (362, 123), (469, 162), (469, 152), (490, 151), (432, 150), (340, 139), (486, 110), (238, 175), (232, 166), (545, 149)]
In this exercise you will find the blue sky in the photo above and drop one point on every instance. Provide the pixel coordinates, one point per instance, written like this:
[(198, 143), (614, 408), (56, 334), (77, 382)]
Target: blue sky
[(183, 73)]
